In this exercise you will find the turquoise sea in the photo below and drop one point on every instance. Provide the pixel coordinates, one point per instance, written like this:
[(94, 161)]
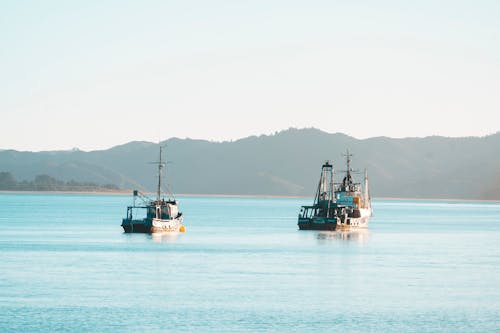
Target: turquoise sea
[(242, 265)]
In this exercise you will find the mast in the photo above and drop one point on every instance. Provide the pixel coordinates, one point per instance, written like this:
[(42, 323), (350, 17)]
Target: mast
[(348, 156), (325, 185), (367, 198), (324, 176), (347, 182), (330, 192), (160, 167), (332, 185), (318, 190)]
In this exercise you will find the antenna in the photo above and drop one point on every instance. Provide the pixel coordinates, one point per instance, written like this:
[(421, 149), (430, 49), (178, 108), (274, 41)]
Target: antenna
[(348, 181), (348, 162)]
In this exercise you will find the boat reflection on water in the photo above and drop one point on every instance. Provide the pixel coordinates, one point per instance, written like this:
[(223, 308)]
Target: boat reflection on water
[(164, 237), (359, 235)]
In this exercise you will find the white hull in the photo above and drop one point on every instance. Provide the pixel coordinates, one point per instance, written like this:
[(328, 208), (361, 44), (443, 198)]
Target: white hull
[(357, 222), (167, 225)]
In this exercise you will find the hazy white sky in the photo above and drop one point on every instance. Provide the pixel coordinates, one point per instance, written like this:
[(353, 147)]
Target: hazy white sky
[(94, 74)]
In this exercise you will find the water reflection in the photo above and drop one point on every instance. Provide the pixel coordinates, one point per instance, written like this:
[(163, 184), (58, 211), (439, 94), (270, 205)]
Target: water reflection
[(359, 235), (164, 237)]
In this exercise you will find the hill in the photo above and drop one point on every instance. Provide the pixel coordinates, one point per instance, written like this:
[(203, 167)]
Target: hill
[(286, 163)]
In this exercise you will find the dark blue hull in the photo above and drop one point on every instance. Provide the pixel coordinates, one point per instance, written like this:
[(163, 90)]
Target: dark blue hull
[(317, 224), (140, 226)]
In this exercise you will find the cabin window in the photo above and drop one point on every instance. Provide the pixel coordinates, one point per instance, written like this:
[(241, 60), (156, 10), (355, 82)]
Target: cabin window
[(164, 213)]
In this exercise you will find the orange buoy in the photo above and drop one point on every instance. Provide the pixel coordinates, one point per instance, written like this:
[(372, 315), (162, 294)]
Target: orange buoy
[(182, 228)]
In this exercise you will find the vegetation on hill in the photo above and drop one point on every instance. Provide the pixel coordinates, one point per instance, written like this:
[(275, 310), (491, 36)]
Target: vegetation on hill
[(48, 183)]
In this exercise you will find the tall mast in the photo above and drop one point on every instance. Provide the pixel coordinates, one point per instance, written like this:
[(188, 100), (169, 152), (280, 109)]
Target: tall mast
[(318, 191), (348, 164), (347, 182), (367, 196), (332, 185), (324, 186), (368, 200), (160, 167), (331, 195)]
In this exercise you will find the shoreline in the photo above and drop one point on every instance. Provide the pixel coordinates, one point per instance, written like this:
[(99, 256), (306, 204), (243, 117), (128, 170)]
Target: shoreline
[(262, 196), (113, 192), (436, 199), (129, 192)]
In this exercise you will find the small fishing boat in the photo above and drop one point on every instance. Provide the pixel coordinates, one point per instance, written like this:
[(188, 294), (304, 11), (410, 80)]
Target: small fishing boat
[(162, 215), (342, 205)]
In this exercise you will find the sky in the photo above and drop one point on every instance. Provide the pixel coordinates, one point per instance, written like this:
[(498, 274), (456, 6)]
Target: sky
[(95, 74)]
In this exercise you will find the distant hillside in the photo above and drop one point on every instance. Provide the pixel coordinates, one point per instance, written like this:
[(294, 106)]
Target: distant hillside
[(287, 163), (47, 183)]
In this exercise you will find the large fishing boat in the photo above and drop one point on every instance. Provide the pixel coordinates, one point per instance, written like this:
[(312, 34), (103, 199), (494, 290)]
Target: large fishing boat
[(342, 205), (162, 215)]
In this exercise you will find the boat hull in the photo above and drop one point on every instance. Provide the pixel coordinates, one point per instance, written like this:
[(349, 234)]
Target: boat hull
[(317, 224), (343, 223), (353, 223), (135, 226), (153, 225), (170, 225)]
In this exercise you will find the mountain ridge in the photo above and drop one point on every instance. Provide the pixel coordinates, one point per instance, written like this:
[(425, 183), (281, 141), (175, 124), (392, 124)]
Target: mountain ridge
[(284, 163)]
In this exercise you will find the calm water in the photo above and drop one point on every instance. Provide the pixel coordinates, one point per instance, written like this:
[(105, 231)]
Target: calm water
[(242, 265)]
